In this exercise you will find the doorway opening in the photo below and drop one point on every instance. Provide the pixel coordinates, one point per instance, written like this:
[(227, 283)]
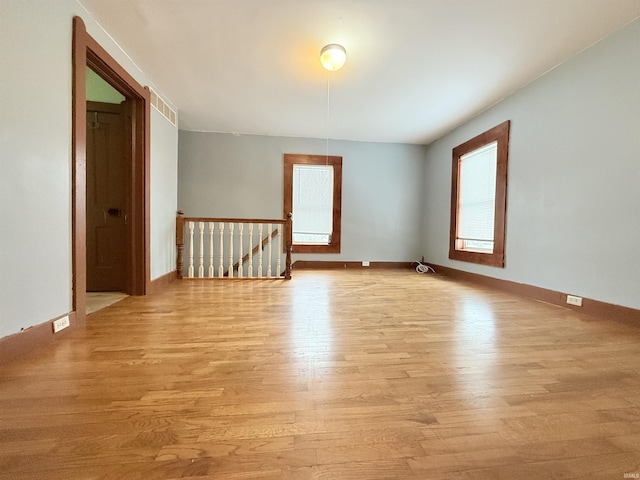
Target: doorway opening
[(122, 264), (108, 193)]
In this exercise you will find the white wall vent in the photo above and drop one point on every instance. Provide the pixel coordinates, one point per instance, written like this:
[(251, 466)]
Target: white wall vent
[(166, 111)]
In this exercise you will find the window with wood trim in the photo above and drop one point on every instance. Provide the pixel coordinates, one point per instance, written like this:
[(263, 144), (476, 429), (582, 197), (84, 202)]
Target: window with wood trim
[(479, 198), (313, 193)]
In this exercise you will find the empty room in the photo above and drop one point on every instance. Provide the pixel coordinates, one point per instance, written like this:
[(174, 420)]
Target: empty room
[(278, 239)]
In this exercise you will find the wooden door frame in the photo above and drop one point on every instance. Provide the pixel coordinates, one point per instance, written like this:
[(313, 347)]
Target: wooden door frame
[(87, 52)]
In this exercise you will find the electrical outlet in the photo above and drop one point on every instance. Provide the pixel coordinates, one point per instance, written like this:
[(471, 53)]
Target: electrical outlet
[(60, 324), (573, 300), (365, 264)]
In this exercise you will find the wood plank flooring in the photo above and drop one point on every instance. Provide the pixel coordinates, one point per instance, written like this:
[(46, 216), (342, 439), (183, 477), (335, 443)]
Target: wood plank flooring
[(349, 375)]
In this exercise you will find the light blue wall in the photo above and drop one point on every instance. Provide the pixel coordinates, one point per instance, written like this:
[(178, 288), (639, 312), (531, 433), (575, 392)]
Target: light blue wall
[(573, 204), (164, 194), (225, 175), (35, 156)]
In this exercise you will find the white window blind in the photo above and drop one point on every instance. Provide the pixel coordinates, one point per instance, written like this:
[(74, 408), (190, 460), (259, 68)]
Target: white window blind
[(312, 204), (476, 199)]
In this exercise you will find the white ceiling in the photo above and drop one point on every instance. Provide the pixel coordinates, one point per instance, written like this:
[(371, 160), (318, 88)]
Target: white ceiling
[(415, 70)]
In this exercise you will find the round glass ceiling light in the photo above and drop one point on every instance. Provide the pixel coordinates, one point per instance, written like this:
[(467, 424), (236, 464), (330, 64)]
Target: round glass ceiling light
[(333, 57)]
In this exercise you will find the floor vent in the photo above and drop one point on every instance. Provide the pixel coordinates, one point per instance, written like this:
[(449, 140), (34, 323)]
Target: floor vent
[(166, 111)]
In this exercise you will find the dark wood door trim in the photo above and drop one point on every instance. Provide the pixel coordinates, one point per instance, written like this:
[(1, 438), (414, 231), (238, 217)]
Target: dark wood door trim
[(87, 52)]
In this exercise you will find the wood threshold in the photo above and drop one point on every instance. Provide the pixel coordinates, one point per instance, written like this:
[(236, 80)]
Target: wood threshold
[(594, 308)]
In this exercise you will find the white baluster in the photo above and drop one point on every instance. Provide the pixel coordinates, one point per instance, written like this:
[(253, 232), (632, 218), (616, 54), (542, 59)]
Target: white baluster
[(240, 228), (270, 244), (278, 263), (260, 250), (201, 257), (190, 272), (230, 250), (220, 266), (210, 272), (250, 267)]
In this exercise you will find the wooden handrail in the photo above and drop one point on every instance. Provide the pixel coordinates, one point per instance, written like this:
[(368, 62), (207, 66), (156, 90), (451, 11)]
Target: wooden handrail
[(180, 225), (235, 220)]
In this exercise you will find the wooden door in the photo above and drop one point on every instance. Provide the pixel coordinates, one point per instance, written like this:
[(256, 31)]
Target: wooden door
[(107, 197)]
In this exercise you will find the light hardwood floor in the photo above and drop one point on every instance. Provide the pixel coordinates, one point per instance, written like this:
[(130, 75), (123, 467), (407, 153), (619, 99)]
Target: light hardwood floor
[(334, 375)]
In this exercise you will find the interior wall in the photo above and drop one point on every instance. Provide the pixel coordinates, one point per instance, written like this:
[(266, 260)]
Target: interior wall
[(98, 90), (164, 194), (225, 175), (35, 185), (35, 156), (573, 180)]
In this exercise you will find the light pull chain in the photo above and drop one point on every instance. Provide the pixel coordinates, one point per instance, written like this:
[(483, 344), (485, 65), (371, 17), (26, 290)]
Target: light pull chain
[(328, 104)]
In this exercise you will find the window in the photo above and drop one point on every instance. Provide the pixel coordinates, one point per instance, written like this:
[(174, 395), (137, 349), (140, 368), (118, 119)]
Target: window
[(479, 198), (313, 193)]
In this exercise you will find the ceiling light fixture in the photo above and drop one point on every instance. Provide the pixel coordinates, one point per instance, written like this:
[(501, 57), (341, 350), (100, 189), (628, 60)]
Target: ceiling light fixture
[(333, 56)]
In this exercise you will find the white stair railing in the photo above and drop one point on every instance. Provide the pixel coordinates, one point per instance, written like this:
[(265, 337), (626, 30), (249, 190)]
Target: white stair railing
[(208, 239)]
